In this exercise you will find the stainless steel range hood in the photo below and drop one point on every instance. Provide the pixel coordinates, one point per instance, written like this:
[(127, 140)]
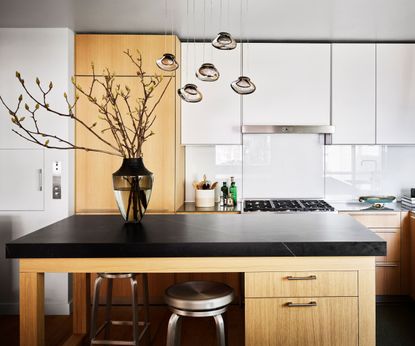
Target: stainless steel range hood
[(270, 129)]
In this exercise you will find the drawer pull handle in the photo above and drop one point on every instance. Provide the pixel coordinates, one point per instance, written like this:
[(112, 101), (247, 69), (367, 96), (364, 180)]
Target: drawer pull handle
[(296, 305), (310, 277), (389, 265)]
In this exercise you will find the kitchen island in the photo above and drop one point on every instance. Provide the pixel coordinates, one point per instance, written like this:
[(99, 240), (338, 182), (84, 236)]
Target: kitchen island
[(312, 272)]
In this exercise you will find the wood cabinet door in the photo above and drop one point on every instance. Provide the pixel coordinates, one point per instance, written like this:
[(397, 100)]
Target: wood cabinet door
[(353, 93), (106, 51), (273, 322), (395, 89), (94, 170), (388, 279), (217, 118), (293, 84)]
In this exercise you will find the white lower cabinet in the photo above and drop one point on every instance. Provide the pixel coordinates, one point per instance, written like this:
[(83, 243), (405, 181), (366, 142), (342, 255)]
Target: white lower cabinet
[(21, 179), (217, 118), (395, 93), (353, 93)]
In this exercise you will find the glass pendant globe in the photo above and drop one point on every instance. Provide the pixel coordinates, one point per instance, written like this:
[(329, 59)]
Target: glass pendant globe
[(243, 86), (190, 93), (167, 62), (207, 72), (224, 41)]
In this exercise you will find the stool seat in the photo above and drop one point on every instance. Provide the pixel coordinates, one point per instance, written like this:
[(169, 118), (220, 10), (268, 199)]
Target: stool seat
[(199, 295)]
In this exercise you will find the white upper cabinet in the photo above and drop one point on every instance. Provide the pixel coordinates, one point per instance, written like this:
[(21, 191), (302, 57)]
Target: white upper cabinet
[(293, 84), (217, 118), (353, 93), (395, 94)]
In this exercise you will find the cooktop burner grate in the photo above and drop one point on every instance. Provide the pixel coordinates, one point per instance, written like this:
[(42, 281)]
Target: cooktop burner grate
[(288, 205)]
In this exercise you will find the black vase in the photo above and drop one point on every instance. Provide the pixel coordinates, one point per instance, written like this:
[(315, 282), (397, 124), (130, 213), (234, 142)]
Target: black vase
[(132, 185)]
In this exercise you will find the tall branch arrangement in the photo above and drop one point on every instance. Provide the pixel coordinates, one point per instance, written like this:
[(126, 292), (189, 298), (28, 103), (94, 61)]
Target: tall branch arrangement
[(128, 119)]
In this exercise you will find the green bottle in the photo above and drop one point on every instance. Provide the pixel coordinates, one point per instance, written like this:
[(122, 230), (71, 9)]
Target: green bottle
[(234, 191)]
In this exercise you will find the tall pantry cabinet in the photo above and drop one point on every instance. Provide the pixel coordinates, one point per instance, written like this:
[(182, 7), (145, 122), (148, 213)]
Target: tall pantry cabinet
[(162, 153)]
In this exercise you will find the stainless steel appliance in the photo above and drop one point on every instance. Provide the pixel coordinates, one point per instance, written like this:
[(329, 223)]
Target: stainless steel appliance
[(287, 205)]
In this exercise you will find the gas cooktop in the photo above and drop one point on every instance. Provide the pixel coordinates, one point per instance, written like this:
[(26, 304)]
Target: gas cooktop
[(287, 205)]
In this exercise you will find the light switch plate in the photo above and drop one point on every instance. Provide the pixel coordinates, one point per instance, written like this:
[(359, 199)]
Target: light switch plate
[(57, 168), (56, 187)]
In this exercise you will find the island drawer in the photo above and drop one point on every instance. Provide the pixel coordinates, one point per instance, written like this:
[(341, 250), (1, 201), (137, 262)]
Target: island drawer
[(302, 321), (378, 220), (301, 284)]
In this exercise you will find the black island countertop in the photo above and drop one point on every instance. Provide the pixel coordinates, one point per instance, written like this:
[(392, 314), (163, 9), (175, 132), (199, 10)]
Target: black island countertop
[(95, 236)]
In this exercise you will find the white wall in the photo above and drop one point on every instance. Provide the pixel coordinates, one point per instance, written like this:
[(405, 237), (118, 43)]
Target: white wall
[(49, 55)]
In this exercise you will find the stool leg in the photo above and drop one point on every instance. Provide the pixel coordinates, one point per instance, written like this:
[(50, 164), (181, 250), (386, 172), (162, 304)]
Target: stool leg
[(94, 310), (220, 330), (146, 307), (108, 310), (173, 330), (136, 334)]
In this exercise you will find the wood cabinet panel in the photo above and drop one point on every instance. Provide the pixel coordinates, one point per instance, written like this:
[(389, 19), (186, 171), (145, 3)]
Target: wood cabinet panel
[(94, 170), (388, 279), (106, 51), (301, 284), (378, 220), (393, 246), (271, 322), (353, 93)]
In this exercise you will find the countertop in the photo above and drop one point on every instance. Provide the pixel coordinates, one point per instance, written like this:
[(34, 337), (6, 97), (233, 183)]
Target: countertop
[(190, 207), (94, 236), (357, 206)]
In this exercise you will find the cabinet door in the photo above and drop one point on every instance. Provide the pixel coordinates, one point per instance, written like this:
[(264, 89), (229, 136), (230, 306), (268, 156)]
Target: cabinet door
[(217, 118), (21, 179), (353, 93), (94, 170), (107, 51), (395, 93), (293, 84), (273, 322)]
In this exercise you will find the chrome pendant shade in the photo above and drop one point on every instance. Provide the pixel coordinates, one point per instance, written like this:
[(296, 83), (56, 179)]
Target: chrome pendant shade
[(207, 72), (167, 62), (190, 93), (224, 41), (243, 86)]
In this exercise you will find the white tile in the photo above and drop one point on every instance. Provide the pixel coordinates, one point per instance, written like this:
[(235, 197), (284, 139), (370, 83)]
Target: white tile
[(283, 166), (218, 162)]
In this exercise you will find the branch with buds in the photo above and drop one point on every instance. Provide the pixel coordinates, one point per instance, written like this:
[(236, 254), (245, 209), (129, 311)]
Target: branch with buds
[(127, 119)]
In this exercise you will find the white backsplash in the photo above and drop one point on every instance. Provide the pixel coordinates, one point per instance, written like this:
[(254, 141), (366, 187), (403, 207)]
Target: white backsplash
[(356, 170), (283, 166), (218, 162)]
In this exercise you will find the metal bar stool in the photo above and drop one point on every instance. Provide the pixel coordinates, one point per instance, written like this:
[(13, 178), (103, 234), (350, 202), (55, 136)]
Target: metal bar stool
[(135, 323), (197, 299)]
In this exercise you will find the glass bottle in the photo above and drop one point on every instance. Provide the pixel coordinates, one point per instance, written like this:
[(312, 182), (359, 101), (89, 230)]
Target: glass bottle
[(234, 191), (225, 192)]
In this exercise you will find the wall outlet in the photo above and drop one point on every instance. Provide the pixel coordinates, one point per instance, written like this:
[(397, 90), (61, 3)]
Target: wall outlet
[(57, 168), (56, 187)]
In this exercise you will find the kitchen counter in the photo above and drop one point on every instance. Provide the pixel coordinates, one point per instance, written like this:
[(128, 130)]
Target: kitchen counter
[(267, 248), (357, 206), (91, 236), (190, 207)]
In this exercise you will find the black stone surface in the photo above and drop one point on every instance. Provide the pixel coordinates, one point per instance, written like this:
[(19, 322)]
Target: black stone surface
[(260, 234)]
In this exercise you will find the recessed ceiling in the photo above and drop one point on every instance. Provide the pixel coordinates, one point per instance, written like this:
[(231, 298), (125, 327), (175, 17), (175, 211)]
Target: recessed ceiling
[(374, 20)]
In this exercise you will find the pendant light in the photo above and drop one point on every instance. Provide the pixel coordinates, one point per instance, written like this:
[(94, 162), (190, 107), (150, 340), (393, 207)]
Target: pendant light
[(190, 93), (168, 61), (207, 72), (224, 40), (243, 85)]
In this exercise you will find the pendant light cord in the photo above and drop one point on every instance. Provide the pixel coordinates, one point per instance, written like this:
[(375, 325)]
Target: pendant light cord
[(211, 18), (165, 26), (246, 37), (194, 35), (204, 28), (188, 33)]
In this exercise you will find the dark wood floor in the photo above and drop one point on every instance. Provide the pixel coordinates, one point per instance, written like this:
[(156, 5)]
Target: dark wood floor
[(395, 327), (195, 331)]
